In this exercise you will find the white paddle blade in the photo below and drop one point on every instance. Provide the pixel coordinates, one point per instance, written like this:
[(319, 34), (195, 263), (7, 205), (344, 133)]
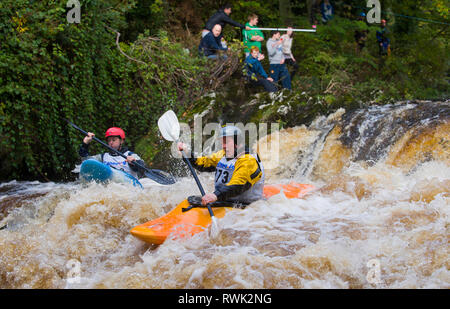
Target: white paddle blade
[(214, 229), (169, 127)]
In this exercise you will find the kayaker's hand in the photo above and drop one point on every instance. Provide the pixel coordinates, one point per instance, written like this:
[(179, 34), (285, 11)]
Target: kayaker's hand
[(248, 28), (130, 159), (181, 146), (88, 138), (270, 79), (208, 198)]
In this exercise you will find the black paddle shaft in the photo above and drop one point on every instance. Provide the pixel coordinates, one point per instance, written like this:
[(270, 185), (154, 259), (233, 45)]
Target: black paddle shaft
[(202, 191), (193, 174)]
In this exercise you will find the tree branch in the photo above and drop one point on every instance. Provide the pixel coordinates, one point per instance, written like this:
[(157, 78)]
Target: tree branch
[(120, 49)]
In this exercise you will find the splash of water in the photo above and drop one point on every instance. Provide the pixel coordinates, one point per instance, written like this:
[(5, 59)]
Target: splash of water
[(379, 220), (214, 228)]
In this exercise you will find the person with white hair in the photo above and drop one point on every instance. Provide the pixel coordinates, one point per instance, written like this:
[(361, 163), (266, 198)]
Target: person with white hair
[(211, 43)]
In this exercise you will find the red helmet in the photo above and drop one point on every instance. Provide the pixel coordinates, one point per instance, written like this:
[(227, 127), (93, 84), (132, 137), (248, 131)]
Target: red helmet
[(114, 131)]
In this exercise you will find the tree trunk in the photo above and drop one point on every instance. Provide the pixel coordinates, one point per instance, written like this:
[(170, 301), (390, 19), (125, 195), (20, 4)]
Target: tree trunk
[(312, 5), (284, 7)]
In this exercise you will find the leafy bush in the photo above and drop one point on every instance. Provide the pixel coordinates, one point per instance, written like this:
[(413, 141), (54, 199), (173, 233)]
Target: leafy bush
[(52, 70)]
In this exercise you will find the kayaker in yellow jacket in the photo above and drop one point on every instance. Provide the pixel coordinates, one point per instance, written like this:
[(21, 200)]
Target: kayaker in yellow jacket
[(239, 173)]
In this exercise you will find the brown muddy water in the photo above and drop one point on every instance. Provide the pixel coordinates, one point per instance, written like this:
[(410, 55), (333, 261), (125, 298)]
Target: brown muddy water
[(379, 219)]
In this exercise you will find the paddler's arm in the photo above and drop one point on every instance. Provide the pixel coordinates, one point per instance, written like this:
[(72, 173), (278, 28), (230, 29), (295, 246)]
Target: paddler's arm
[(247, 172), (206, 163), (134, 158), (84, 149)]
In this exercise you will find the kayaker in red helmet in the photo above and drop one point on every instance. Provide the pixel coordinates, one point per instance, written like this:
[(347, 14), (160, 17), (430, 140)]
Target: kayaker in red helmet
[(115, 137)]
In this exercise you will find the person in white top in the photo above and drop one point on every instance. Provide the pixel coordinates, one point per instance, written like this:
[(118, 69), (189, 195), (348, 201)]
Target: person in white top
[(287, 39), (115, 137)]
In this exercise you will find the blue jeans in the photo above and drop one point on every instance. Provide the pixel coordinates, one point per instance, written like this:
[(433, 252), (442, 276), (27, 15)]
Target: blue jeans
[(279, 72)]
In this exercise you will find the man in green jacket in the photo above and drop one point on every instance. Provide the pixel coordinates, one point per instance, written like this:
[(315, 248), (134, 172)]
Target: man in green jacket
[(252, 37)]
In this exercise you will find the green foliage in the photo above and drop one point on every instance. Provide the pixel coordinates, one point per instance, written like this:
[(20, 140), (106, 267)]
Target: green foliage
[(146, 15), (51, 70), (331, 64), (334, 74)]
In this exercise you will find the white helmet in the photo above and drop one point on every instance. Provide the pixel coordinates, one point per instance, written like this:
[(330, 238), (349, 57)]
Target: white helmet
[(230, 131), (238, 137)]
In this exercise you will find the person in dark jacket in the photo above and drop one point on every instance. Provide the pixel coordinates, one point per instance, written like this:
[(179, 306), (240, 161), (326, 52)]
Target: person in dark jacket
[(221, 17), (361, 33), (327, 11), (384, 43), (255, 72), (211, 44)]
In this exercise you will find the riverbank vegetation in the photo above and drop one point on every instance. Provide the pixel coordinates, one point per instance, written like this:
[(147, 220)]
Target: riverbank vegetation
[(127, 62)]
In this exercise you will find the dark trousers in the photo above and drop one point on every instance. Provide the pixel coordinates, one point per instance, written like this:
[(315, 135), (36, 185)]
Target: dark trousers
[(294, 64), (279, 72), (268, 86), (384, 46)]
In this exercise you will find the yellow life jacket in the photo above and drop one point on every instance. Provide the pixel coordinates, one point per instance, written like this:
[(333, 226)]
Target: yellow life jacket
[(240, 179)]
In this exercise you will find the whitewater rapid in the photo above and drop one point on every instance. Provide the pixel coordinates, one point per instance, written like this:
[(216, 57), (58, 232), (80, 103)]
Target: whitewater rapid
[(377, 224)]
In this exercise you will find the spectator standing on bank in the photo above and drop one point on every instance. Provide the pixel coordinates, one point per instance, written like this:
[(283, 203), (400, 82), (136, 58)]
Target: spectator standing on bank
[(289, 59), (327, 10), (278, 69), (361, 33), (384, 43), (221, 17), (252, 37)]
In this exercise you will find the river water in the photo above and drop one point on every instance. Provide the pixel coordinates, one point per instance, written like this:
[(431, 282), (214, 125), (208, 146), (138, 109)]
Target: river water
[(379, 218)]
